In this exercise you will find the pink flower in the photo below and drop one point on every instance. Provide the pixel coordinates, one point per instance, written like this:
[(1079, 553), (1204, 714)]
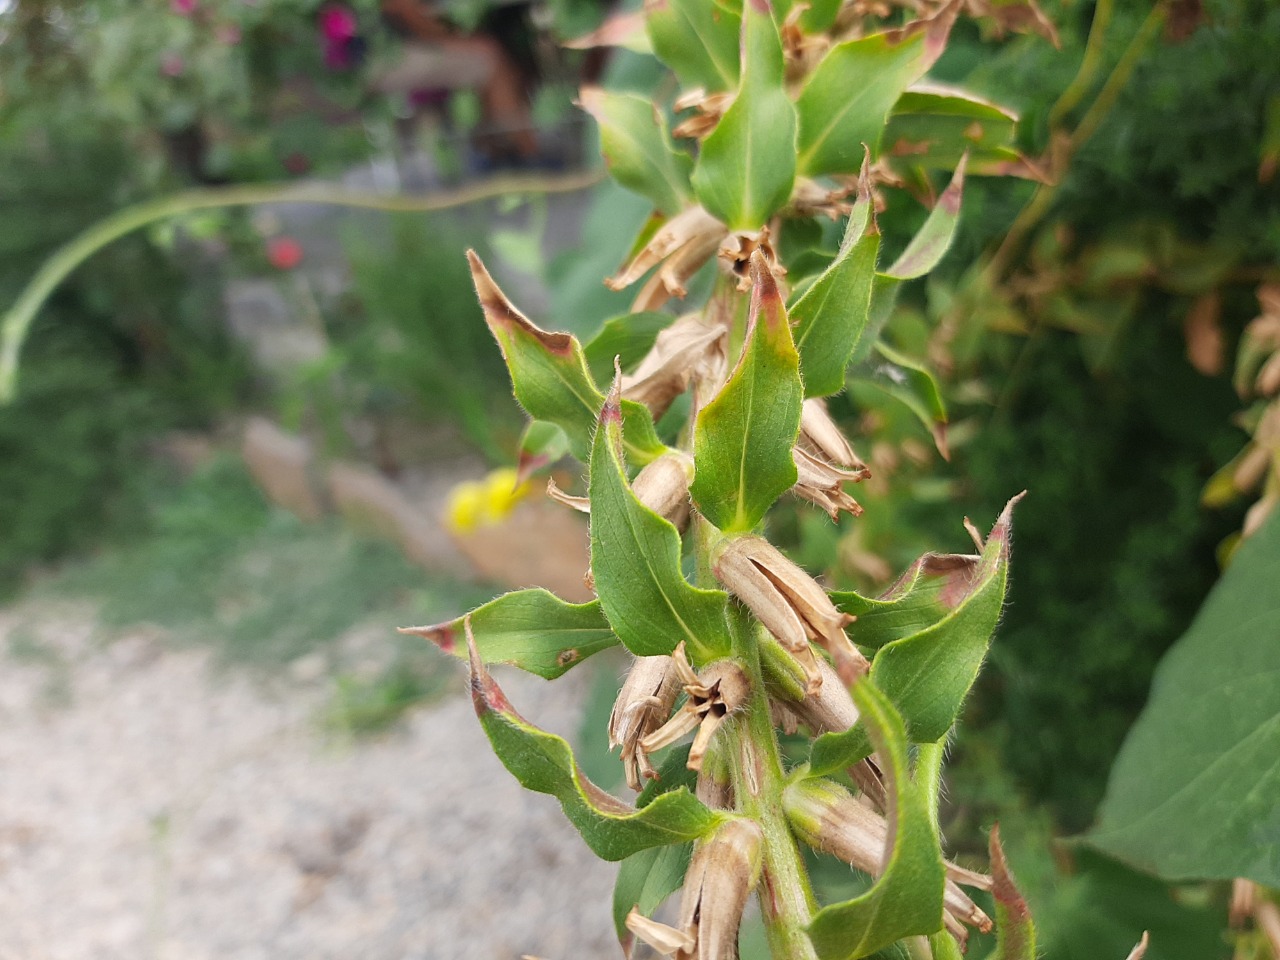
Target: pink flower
[(172, 65), (228, 33), (183, 8), (284, 253), (338, 23)]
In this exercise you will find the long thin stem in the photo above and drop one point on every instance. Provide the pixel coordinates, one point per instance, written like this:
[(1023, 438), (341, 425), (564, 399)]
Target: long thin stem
[(16, 323), (787, 902)]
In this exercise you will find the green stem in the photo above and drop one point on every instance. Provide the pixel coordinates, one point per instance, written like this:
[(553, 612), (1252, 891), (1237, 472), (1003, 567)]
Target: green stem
[(787, 902), (16, 323)]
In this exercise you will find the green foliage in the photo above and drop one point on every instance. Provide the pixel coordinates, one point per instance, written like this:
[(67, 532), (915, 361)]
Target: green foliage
[(635, 560), (697, 40), (638, 150), (747, 165), (743, 438), (531, 629), (1192, 793), (906, 899), (543, 762)]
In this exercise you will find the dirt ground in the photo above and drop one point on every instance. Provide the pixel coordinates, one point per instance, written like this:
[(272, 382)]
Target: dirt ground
[(152, 806)]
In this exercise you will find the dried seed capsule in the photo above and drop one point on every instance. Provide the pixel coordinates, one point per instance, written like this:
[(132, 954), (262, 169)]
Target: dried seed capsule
[(790, 603), (820, 436), (719, 691), (680, 352), (643, 705), (724, 870), (823, 485)]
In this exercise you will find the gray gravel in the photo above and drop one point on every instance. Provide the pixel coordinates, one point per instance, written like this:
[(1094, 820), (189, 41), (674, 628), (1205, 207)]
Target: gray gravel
[(154, 807)]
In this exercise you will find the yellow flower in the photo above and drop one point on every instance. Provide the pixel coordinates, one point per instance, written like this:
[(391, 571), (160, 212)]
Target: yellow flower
[(482, 503)]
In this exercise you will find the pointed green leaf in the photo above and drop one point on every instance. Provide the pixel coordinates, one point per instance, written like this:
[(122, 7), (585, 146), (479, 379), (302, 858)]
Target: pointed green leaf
[(832, 314), (550, 377), (628, 338), (929, 590), (847, 98), (910, 383), (638, 149), (635, 559), (1193, 793), (931, 129), (747, 165), (906, 900), (929, 673), (743, 437), (1015, 933), (532, 629), (930, 244), (543, 762), (645, 880), (697, 39)]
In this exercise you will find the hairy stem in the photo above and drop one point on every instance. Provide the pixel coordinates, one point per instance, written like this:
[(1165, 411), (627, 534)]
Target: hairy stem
[(786, 897)]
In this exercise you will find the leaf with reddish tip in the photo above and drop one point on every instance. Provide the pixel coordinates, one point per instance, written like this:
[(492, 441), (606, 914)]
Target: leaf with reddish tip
[(928, 246), (911, 384), (747, 165), (907, 898), (544, 763), (744, 436), (933, 127), (930, 589), (635, 559), (532, 629), (928, 674), (1015, 933), (638, 149), (550, 377), (847, 98), (697, 39), (831, 317)]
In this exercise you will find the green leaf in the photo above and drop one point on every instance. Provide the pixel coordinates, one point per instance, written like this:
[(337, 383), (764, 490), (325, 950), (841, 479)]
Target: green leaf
[(933, 129), (645, 880), (550, 377), (628, 338), (832, 314), (635, 559), (747, 165), (1015, 933), (928, 591), (847, 98), (928, 246), (638, 149), (541, 445), (697, 39), (543, 762), (1193, 793), (907, 898), (743, 437), (908, 382), (532, 629), (927, 674)]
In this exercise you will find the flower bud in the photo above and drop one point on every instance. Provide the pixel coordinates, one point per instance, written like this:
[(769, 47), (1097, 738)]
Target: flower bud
[(643, 705), (724, 870), (718, 692), (790, 603)]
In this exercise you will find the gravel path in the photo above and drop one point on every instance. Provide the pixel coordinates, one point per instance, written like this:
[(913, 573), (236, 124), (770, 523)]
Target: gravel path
[(154, 807)]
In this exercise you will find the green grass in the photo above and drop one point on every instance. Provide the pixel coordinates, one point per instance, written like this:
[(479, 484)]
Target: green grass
[(218, 566)]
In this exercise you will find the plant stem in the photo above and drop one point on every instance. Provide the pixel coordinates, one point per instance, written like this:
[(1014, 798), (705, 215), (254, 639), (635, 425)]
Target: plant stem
[(16, 323), (786, 897)]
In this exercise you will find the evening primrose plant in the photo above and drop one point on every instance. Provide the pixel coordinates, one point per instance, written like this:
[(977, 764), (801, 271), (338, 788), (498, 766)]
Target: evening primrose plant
[(691, 424)]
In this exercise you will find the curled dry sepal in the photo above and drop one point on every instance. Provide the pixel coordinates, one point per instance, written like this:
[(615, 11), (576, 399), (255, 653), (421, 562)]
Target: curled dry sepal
[(692, 428)]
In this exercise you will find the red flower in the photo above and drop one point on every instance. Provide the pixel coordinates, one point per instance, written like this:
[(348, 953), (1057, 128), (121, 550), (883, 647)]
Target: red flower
[(284, 253)]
